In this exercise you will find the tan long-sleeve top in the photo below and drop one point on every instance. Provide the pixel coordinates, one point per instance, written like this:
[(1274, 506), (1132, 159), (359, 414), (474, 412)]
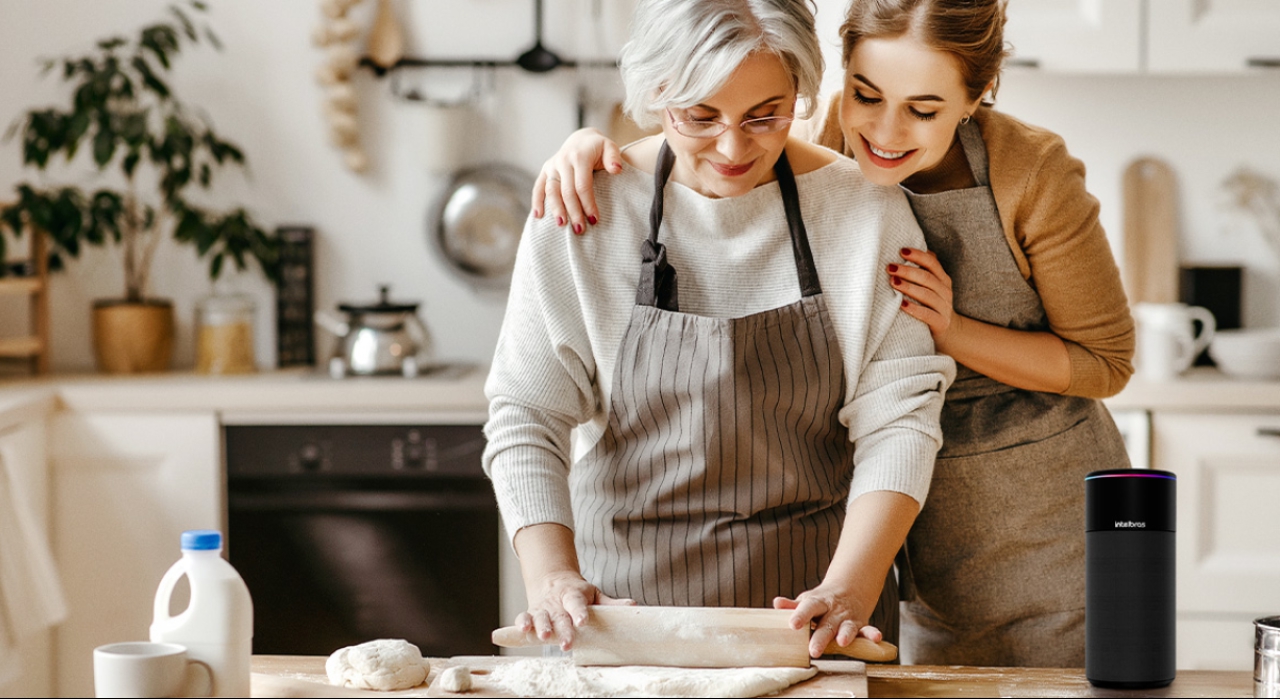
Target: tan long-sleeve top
[(1051, 223)]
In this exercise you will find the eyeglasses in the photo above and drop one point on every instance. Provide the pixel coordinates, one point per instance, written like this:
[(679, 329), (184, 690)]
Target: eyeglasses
[(705, 128)]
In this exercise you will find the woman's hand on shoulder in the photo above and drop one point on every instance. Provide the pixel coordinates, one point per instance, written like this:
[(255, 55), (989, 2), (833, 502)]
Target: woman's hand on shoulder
[(927, 288), (564, 184), (558, 605), (833, 615)]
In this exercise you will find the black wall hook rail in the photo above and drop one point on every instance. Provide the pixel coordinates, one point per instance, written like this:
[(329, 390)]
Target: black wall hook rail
[(423, 63)]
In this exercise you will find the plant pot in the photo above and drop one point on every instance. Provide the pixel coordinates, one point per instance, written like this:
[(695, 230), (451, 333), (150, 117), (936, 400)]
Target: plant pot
[(131, 338)]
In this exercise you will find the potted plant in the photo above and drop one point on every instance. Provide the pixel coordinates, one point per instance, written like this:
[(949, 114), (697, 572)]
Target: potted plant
[(123, 114)]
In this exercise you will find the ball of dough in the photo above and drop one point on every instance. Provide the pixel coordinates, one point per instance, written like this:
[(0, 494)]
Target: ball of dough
[(456, 679), (385, 665)]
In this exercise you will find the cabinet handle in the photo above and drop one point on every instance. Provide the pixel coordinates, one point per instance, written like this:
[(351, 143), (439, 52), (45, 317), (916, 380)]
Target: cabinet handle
[(1269, 431), (1263, 62), (1026, 62)]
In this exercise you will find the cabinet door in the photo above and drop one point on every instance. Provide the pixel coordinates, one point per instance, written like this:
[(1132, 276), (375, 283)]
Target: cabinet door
[(125, 487), (1076, 36), (1198, 36), (1228, 469)]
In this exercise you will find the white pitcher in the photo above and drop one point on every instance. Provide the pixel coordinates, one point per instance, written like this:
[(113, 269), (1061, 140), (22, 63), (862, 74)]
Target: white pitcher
[(1167, 340)]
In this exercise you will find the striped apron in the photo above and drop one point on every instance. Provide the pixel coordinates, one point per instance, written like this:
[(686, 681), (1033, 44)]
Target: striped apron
[(722, 476), (993, 571)]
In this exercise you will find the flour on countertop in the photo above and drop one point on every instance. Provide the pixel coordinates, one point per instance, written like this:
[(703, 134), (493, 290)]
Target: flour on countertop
[(559, 677)]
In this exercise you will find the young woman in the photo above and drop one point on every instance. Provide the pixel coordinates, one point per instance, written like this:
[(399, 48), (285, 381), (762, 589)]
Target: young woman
[(1018, 285), (747, 435)]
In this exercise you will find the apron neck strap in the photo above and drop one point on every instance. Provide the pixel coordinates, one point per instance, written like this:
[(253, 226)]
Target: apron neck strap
[(809, 285), (975, 151)]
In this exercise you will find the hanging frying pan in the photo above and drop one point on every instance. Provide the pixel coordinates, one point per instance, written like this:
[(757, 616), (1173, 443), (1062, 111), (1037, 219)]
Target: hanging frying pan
[(478, 221)]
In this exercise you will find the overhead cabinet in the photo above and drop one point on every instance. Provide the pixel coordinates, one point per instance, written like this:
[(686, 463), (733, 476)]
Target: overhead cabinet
[(1144, 36)]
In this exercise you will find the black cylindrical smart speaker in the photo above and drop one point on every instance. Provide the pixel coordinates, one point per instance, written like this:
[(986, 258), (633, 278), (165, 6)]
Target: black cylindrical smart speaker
[(1130, 629)]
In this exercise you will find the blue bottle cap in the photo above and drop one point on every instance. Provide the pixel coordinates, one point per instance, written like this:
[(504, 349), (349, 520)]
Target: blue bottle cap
[(201, 540)]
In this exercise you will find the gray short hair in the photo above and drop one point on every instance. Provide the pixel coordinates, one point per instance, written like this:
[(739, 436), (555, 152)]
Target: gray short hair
[(683, 51)]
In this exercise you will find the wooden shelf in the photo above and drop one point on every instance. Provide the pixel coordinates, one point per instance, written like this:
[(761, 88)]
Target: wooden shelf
[(21, 347), (20, 285), (33, 348)]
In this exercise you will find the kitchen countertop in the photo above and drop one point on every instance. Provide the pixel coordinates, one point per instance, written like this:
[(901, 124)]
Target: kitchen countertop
[(930, 681), (455, 388), (459, 389), (1202, 389)]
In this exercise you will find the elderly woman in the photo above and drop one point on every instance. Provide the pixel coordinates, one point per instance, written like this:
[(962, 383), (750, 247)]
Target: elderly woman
[(753, 422)]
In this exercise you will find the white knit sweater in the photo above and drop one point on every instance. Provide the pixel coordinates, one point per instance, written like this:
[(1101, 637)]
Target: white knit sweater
[(571, 300)]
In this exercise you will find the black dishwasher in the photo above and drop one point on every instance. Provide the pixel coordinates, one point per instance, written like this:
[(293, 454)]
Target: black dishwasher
[(349, 533)]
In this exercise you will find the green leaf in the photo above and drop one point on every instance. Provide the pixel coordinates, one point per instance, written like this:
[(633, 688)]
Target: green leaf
[(187, 27), (199, 5), (111, 44), (205, 175), (213, 39), (104, 144), (130, 163), (149, 78), (215, 267)]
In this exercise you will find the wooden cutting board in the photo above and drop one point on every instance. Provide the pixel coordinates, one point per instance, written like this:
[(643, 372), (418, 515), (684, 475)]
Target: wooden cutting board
[(835, 678), (1150, 232)]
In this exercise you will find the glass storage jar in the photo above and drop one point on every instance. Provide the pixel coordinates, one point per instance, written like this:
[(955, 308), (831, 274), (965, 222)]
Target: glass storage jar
[(224, 334)]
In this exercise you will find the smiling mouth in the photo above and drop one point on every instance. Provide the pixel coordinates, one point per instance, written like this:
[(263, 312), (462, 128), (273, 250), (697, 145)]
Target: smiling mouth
[(886, 158), (732, 170)]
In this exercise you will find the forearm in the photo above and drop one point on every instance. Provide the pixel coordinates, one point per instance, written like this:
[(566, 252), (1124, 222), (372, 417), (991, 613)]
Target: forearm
[(1036, 361), (875, 526), (545, 550)]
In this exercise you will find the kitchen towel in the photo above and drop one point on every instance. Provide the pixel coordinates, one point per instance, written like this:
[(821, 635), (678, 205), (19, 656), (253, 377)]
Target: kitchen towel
[(31, 597)]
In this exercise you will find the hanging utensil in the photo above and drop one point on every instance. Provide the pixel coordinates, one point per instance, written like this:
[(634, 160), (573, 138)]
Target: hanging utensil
[(538, 59)]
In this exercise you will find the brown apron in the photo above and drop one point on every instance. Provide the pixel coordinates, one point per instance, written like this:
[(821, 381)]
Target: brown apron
[(993, 569), (722, 476)]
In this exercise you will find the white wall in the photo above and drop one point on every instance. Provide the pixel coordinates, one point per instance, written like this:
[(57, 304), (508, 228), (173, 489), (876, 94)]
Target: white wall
[(260, 92)]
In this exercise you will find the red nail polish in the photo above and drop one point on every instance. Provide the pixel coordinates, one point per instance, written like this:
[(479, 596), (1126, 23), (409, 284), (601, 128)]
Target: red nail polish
[(905, 252), (577, 228), (559, 220), (893, 268), (537, 214), (896, 281), (904, 303), (591, 220)]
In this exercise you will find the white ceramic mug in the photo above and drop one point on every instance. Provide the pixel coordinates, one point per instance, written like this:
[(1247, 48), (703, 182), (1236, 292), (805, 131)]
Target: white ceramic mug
[(143, 669), (1167, 340)]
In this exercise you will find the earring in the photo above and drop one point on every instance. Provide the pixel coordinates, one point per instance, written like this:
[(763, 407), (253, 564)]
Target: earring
[(965, 120)]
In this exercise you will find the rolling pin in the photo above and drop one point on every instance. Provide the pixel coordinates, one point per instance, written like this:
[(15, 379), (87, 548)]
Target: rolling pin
[(693, 637)]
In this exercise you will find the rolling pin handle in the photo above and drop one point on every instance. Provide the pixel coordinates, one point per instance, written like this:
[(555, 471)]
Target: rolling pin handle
[(864, 649), (513, 637)]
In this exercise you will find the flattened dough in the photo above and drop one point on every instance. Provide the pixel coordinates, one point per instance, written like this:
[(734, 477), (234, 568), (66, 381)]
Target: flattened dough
[(386, 664), (559, 677)]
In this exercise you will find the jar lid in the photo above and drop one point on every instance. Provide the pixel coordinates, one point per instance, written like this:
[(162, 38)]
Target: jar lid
[(382, 306), (229, 303)]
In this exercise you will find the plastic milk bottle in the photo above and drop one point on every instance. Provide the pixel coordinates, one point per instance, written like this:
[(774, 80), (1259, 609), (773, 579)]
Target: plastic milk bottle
[(217, 626)]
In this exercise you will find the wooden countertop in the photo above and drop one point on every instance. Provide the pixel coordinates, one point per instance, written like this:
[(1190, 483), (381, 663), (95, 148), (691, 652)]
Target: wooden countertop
[(927, 681)]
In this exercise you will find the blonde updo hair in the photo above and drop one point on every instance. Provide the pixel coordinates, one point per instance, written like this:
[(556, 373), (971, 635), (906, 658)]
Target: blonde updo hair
[(682, 52), (970, 30)]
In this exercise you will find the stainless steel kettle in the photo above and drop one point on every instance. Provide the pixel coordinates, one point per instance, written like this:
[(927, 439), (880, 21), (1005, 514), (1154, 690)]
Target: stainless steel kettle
[(380, 338)]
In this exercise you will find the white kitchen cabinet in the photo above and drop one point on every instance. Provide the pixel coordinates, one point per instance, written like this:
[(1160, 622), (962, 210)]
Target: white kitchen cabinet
[(1144, 36), (1086, 36), (126, 485), (1228, 468), (22, 456), (1198, 36)]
